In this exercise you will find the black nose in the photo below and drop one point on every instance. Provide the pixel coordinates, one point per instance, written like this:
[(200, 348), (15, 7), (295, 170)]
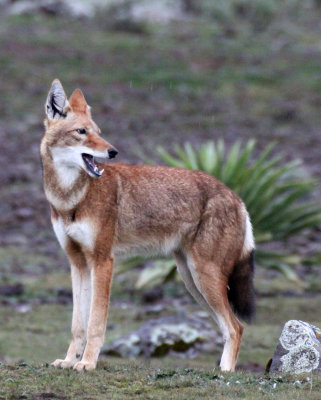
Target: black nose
[(112, 152)]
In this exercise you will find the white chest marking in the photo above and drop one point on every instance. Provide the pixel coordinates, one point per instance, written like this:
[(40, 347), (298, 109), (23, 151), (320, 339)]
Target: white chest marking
[(59, 229), (82, 232)]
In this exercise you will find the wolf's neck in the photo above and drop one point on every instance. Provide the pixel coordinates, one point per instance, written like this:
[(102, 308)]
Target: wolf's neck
[(66, 176), (65, 187)]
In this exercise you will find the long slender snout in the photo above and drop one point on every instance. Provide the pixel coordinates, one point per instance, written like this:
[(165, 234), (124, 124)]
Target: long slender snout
[(103, 157), (100, 153), (101, 149)]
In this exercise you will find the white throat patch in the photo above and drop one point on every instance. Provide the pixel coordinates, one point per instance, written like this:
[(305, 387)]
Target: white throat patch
[(67, 164), (68, 161)]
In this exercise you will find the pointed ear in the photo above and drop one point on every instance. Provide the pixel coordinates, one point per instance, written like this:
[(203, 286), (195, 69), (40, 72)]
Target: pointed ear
[(78, 102), (57, 103)]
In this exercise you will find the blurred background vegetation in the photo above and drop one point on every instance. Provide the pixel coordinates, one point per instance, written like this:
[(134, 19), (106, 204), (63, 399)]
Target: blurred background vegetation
[(162, 74)]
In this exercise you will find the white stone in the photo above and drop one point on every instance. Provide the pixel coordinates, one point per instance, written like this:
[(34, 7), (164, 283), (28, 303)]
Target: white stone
[(299, 349)]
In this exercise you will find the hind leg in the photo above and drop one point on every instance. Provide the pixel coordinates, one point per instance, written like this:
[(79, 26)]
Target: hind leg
[(212, 284), (182, 267)]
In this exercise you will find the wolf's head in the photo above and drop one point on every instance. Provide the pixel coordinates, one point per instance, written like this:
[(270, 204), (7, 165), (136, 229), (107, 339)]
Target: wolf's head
[(72, 137)]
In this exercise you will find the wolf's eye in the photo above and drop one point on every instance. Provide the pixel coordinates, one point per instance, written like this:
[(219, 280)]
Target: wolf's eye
[(82, 131)]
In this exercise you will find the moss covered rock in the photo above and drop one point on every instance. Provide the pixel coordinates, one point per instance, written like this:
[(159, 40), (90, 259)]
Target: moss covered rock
[(173, 334), (299, 349)]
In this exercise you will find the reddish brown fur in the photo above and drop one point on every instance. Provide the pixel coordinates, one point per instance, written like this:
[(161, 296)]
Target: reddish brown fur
[(153, 208)]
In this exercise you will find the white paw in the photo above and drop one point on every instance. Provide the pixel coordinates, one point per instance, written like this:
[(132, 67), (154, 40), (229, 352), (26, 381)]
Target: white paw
[(62, 364), (84, 366)]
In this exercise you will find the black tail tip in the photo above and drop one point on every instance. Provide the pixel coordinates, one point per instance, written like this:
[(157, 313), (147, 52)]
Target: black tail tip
[(241, 294)]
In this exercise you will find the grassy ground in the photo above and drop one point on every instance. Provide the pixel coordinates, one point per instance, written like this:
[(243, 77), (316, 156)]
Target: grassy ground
[(36, 340), (135, 380), (33, 334), (231, 71), (27, 332), (28, 335)]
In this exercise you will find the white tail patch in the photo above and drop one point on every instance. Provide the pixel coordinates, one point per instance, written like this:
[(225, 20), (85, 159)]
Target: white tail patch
[(249, 244)]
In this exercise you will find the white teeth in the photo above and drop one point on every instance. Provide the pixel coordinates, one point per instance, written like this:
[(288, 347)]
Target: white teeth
[(100, 171)]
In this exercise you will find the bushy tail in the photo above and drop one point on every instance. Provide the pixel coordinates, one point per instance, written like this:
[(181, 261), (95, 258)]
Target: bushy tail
[(241, 289)]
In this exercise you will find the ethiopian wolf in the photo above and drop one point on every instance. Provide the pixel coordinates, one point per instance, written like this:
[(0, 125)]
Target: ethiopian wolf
[(129, 210)]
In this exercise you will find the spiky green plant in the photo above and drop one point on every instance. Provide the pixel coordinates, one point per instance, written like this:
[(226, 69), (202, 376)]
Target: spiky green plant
[(275, 192)]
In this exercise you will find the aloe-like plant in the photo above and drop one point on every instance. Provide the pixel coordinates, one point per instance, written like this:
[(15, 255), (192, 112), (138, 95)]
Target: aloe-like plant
[(276, 194)]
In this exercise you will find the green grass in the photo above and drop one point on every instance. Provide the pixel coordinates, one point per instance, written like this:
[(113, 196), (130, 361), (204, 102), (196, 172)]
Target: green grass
[(118, 380), (202, 82), (196, 57), (42, 334), (34, 335)]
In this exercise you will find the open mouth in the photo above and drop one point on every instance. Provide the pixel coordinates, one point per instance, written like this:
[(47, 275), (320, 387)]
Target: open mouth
[(91, 166)]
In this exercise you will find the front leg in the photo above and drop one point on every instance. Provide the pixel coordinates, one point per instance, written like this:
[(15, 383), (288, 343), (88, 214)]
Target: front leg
[(81, 289), (101, 282)]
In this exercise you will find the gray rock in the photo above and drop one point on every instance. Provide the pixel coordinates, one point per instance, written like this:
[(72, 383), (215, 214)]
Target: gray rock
[(299, 349), (161, 11), (158, 337), (80, 8), (35, 6)]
